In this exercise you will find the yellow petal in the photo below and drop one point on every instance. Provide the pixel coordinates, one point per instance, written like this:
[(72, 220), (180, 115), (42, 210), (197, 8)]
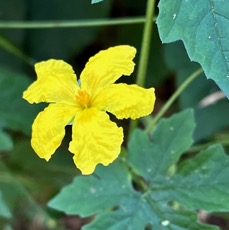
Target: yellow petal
[(48, 128), (56, 82), (126, 101), (106, 67), (95, 139)]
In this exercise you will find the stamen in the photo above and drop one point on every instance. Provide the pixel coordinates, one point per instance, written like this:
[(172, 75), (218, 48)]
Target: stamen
[(83, 98)]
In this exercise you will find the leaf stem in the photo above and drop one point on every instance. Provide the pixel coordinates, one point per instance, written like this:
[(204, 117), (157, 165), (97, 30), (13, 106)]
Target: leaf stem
[(144, 53), (172, 99), (197, 148), (70, 24)]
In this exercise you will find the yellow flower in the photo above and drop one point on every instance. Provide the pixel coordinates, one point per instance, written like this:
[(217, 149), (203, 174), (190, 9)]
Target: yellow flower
[(95, 139)]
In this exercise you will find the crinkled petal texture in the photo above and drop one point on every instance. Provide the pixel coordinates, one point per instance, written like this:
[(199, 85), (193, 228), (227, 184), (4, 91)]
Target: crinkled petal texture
[(48, 128), (56, 82), (126, 101), (106, 67), (95, 139)]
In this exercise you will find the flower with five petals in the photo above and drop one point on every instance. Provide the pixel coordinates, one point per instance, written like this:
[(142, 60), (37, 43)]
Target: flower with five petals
[(95, 139)]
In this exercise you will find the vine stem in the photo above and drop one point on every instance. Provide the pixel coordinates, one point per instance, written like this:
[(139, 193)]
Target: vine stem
[(144, 53), (172, 99), (69, 24), (145, 46), (197, 148), (11, 48)]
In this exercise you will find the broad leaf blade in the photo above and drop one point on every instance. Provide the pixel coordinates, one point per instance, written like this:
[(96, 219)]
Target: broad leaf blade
[(110, 195), (177, 59), (137, 218), (132, 216), (202, 182), (204, 29), (197, 91), (93, 194), (170, 139), (199, 183)]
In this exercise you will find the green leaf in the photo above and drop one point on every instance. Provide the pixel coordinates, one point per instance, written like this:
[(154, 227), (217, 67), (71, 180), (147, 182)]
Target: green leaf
[(202, 182), (169, 140), (140, 213), (110, 195), (5, 141), (93, 194), (4, 210), (15, 112), (204, 29), (177, 59), (95, 1), (198, 183)]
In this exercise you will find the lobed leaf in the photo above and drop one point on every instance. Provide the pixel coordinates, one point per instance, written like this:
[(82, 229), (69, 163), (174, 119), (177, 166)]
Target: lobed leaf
[(93, 193), (202, 183), (169, 140), (204, 29), (117, 205), (138, 215), (197, 92)]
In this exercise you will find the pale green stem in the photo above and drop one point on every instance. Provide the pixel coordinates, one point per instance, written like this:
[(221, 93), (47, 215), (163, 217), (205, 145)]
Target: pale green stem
[(11, 48), (144, 53), (172, 99), (197, 148), (69, 24)]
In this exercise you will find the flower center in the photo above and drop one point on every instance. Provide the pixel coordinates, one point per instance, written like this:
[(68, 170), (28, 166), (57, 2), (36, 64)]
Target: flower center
[(83, 98)]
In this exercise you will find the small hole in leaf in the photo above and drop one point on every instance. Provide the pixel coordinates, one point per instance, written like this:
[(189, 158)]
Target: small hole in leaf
[(138, 183), (115, 208)]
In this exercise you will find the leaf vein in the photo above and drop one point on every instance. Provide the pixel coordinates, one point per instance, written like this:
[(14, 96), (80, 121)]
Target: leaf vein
[(214, 13)]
